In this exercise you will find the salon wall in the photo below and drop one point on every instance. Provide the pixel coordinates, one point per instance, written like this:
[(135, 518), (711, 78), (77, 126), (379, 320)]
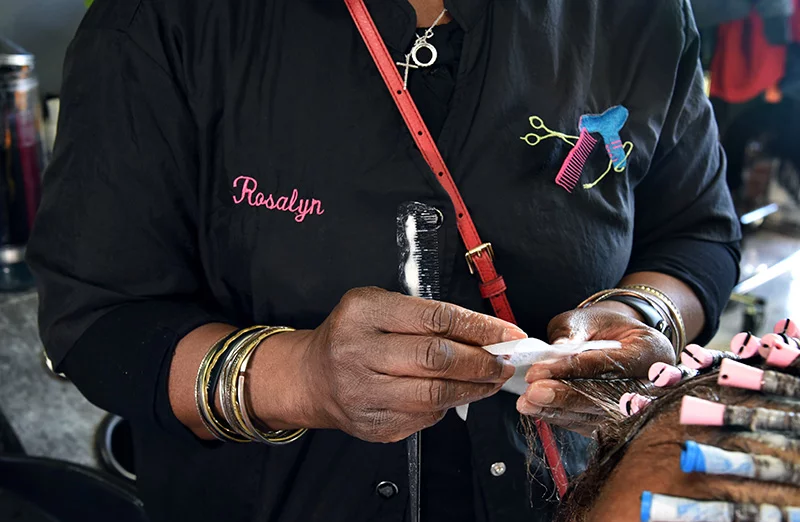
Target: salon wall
[(44, 28)]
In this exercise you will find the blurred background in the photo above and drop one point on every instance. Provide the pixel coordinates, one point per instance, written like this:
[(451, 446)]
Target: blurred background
[(44, 28), (751, 55)]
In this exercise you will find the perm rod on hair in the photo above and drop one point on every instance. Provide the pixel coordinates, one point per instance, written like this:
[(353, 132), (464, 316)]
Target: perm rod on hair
[(663, 508), (699, 358), (786, 357), (787, 327), (701, 458), (773, 440), (699, 412), (745, 345), (738, 375), (632, 403), (664, 375), (769, 341)]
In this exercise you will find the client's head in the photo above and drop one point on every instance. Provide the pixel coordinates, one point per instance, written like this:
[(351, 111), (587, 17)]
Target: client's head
[(653, 451)]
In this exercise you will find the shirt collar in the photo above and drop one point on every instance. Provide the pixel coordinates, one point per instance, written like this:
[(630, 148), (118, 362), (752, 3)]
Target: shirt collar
[(467, 12), (396, 20)]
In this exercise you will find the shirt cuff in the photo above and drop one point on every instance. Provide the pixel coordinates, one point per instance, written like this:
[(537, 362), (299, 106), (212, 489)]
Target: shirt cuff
[(121, 363), (710, 269)]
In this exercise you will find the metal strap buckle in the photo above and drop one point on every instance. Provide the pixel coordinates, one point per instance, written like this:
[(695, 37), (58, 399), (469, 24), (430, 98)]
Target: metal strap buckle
[(478, 252)]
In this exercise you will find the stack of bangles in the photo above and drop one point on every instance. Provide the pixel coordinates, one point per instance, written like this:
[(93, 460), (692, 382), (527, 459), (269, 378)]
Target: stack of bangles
[(223, 373), (671, 323)]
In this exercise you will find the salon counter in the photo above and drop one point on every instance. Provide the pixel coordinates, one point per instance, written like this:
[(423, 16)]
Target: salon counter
[(49, 415)]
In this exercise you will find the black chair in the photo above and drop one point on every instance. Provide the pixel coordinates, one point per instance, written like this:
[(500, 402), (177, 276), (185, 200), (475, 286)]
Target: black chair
[(9, 442), (16, 509), (69, 492)]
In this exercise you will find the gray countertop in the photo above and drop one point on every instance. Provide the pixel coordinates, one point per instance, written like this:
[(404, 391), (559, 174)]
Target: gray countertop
[(50, 416)]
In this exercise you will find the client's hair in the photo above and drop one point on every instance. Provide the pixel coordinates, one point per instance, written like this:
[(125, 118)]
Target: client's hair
[(616, 437)]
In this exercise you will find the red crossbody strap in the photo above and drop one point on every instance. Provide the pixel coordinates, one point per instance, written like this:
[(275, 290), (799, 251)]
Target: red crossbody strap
[(479, 254)]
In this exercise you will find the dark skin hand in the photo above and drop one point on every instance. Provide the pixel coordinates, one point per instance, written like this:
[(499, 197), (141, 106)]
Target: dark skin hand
[(381, 367), (555, 402)]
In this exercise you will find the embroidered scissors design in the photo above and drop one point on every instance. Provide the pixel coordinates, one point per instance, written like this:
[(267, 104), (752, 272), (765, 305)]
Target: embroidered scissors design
[(533, 139)]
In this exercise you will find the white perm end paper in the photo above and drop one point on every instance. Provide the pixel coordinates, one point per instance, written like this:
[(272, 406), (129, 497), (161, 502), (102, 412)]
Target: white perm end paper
[(525, 352)]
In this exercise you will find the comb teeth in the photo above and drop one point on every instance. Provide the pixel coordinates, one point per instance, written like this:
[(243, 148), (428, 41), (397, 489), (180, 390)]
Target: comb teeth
[(570, 173)]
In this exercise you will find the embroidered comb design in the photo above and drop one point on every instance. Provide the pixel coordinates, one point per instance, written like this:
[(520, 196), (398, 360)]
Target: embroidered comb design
[(570, 173), (608, 125)]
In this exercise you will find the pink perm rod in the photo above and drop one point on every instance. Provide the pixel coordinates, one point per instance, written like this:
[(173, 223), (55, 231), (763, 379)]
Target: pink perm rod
[(787, 327), (699, 358), (769, 341), (786, 357), (745, 345), (699, 412), (664, 375), (632, 403), (738, 375)]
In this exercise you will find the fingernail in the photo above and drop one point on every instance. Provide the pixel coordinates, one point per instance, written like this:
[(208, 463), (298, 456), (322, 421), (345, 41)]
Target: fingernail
[(508, 368), (526, 408), (541, 395), (537, 374), (513, 334)]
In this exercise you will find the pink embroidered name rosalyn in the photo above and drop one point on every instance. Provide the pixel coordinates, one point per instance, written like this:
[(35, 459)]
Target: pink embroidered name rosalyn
[(248, 193)]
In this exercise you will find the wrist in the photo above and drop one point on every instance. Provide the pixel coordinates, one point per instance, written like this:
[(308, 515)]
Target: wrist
[(278, 391)]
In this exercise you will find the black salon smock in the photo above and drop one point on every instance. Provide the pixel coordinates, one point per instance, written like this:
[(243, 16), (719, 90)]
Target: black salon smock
[(241, 161)]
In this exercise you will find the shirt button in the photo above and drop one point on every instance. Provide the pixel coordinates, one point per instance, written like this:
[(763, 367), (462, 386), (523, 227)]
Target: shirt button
[(498, 468), (387, 489)]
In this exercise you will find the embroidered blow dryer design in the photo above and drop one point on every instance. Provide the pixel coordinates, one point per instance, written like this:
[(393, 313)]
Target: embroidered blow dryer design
[(608, 125)]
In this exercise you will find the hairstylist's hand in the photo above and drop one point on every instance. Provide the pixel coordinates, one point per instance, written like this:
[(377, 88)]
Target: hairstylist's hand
[(556, 402), (383, 365)]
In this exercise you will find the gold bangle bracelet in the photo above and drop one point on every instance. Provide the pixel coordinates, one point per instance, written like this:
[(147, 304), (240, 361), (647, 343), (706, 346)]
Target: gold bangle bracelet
[(276, 437), (233, 383), (672, 307), (201, 390), (594, 298), (227, 376), (217, 428), (659, 304), (229, 379)]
